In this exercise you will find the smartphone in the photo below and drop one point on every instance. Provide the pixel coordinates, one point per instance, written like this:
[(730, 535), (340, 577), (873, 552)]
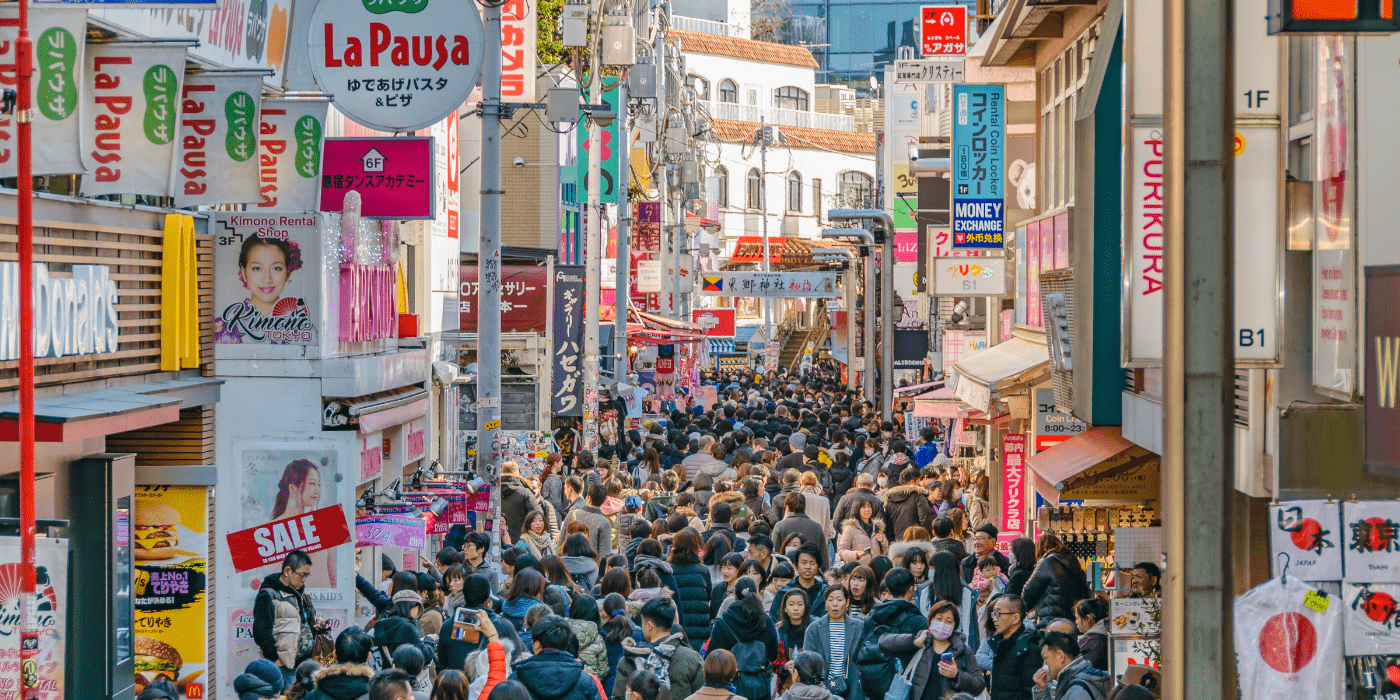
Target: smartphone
[(947, 657), (465, 626)]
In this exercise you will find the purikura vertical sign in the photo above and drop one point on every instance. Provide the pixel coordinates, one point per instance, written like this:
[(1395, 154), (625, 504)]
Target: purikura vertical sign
[(59, 36), (1013, 482), (219, 139), (289, 153), (131, 109), (1142, 240)]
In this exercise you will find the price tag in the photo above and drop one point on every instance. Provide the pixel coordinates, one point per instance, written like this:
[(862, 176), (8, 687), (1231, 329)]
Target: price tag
[(1316, 600)]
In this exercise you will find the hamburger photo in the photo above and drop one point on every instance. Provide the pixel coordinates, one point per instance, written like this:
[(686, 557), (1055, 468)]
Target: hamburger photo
[(155, 660), (155, 531)]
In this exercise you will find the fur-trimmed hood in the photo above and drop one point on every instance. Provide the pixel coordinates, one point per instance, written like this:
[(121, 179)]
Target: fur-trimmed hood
[(897, 549), (904, 492), (853, 522), (733, 498), (344, 681)]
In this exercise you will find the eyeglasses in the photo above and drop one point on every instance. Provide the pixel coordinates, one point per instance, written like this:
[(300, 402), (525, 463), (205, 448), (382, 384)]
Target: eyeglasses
[(302, 575), (1004, 614)]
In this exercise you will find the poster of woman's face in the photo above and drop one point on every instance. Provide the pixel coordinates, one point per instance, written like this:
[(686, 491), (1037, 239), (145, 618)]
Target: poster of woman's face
[(284, 482), (266, 287)]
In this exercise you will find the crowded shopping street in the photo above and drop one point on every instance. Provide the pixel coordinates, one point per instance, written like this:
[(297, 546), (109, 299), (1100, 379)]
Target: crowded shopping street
[(699, 350)]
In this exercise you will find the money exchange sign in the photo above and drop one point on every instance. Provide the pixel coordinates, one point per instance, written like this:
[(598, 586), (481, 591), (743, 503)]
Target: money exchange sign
[(979, 140)]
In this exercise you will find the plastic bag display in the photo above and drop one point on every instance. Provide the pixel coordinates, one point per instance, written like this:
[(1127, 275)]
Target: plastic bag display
[(1288, 642)]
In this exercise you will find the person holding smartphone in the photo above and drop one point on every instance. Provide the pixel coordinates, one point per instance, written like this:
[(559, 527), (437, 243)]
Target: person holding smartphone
[(944, 663)]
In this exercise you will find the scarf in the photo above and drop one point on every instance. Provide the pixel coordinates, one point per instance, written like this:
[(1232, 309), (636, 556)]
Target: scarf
[(539, 545), (868, 527)]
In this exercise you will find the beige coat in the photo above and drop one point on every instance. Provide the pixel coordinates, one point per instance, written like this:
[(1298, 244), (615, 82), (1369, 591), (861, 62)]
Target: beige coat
[(851, 546)]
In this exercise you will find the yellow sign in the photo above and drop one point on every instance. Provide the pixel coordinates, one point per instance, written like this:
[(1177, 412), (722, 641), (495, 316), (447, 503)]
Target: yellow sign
[(170, 543), (1134, 475), (492, 425)]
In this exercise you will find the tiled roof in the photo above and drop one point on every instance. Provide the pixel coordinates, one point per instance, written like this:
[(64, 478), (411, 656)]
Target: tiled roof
[(800, 136), (747, 49)]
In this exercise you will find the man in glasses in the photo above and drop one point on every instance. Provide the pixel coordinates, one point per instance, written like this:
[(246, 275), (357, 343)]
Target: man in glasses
[(1016, 649), (284, 621), (984, 543)]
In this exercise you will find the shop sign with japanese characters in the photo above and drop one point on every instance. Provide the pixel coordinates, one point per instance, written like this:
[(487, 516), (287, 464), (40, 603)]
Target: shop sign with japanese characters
[(812, 285), (393, 176), (568, 341), (131, 105), (395, 65), (965, 277), (944, 30), (1372, 534), (979, 141), (1013, 482)]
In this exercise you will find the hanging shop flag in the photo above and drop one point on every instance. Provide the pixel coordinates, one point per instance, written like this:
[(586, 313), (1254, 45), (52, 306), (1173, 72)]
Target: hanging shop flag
[(1371, 531), (1288, 641), (611, 146), (391, 531), (1374, 677), (1373, 618), (219, 139), (289, 153), (812, 285), (131, 106), (979, 141), (396, 66), (1310, 533), (60, 36), (171, 543), (568, 341), (1013, 482), (519, 29)]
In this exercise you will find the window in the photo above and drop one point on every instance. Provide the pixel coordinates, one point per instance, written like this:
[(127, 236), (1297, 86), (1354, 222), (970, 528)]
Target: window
[(728, 91), (754, 190), (794, 192), (817, 198), (1060, 86), (700, 85), (857, 190), (722, 184), (790, 98)]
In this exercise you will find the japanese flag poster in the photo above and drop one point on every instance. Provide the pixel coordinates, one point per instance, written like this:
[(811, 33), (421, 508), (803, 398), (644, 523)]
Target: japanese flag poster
[(1309, 532), (219, 139), (1373, 618), (131, 112), (1372, 536), (60, 37), (1288, 641)]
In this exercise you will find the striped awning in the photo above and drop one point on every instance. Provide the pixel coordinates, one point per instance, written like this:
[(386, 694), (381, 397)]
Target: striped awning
[(721, 345)]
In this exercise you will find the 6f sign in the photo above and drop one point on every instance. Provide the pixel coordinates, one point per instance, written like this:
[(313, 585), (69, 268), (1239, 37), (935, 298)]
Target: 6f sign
[(944, 30)]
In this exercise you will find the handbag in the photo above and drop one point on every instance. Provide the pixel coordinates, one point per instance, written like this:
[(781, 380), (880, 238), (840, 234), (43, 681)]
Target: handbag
[(903, 683), (838, 686)]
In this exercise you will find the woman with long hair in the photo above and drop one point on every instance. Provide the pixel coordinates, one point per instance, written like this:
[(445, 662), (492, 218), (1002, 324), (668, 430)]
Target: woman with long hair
[(945, 583), (552, 481), (863, 536), (584, 621), (1022, 564), (534, 535), (715, 551), (746, 624), (526, 591), (692, 586), (299, 493), (650, 466), (979, 506), (616, 581), (581, 560), (796, 611), (863, 586), (1057, 582), (723, 590), (617, 628)]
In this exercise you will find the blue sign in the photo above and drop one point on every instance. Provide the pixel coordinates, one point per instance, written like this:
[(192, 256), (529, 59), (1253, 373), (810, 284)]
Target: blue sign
[(979, 142)]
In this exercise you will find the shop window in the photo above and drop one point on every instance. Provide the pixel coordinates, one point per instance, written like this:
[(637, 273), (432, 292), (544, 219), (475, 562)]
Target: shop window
[(722, 185), (790, 97), (1060, 85)]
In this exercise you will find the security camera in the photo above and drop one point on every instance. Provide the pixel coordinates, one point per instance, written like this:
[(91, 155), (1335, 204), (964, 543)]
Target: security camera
[(519, 162)]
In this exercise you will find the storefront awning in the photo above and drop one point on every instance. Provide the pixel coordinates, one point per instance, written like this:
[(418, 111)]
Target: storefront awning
[(721, 345), (1097, 464), (375, 411), (87, 414), (944, 403), (651, 329), (981, 375), (749, 249)]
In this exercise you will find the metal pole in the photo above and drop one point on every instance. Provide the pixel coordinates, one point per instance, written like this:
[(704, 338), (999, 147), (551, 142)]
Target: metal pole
[(1198, 356), (763, 202), (24, 50), (593, 260), (868, 375), (849, 282), (887, 325), (624, 254), (488, 261)]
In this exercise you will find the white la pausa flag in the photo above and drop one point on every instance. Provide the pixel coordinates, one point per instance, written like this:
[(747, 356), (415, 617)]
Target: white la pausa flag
[(131, 112), (59, 36), (289, 153), (219, 139)]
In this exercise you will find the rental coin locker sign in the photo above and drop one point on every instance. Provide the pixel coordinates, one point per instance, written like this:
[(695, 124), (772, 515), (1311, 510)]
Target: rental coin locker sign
[(396, 65), (979, 142)]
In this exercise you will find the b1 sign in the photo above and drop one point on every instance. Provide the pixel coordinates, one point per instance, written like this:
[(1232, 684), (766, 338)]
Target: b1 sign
[(969, 277), (393, 176), (396, 65), (270, 543), (944, 30)]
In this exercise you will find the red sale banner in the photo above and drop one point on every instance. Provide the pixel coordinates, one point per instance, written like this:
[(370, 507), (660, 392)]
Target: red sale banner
[(1013, 483), (268, 544)]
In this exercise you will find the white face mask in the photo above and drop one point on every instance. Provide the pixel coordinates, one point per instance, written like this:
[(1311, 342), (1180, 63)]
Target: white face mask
[(887, 435), (882, 481), (940, 629), (869, 452)]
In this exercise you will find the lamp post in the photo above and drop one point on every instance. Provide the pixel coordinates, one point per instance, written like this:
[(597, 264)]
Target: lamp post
[(886, 223)]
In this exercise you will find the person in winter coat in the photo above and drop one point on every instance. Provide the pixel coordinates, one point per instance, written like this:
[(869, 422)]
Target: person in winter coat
[(347, 678), (1015, 651), (552, 673), (818, 505), (753, 502), (718, 469), (583, 620), (746, 631), (535, 536), (693, 586), (798, 523), (581, 560), (808, 678), (517, 500), (1075, 678), (933, 677), (663, 649), (979, 506), (897, 614), (721, 668), (840, 625), (907, 505), (721, 522), (863, 492), (260, 679), (280, 612), (723, 589), (1022, 565), (1091, 618), (862, 537), (399, 626), (843, 478), (1057, 582), (870, 460), (984, 544), (526, 591), (599, 525)]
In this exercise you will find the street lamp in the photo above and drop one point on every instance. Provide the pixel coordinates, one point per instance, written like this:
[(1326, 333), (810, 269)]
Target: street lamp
[(885, 229)]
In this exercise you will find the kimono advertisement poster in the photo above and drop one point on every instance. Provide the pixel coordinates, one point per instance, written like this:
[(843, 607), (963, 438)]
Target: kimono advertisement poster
[(266, 277)]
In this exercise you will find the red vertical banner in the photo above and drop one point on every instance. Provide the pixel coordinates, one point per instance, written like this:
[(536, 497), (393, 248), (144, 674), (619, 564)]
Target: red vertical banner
[(1013, 482)]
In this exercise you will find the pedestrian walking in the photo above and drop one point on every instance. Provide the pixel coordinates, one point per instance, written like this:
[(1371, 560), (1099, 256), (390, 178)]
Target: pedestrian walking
[(834, 635)]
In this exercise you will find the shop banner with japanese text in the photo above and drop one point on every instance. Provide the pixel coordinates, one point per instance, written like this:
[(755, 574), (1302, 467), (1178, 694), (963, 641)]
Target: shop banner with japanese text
[(48, 611), (811, 285), (524, 298), (267, 280), (130, 108), (519, 29), (1013, 482), (391, 531), (289, 153), (1308, 532), (568, 341), (979, 143), (1373, 618), (60, 37), (219, 127), (171, 545), (1372, 532)]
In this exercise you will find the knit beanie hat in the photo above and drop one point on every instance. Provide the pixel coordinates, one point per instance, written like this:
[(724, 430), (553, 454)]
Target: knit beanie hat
[(476, 591), (267, 672)]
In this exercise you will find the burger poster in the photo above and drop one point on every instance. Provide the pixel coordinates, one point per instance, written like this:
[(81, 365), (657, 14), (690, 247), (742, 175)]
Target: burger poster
[(266, 281), (171, 543), (1309, 532)]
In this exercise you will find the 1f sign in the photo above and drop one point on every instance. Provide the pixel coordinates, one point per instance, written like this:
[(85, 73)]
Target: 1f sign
[(944, 30)]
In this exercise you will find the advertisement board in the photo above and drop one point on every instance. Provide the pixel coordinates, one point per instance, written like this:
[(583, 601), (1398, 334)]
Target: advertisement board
[(944, 30), (969, 277), (1143, 244), (715, 323), (1051, 426), (979, 143), (141, 82), (262, 294), (1309, 533), (219, 124), (393, 176), (817, 285), (391, 531), (48, 614), (289, 153), (1013, 483), (610, 140), (270, 543), (284, 482), (59, 36), (567, 399), (171, 544), (524, 298), (1334, 312)]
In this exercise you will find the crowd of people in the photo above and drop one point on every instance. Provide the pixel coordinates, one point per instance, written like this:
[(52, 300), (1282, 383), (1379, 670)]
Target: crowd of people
[(783, 544)]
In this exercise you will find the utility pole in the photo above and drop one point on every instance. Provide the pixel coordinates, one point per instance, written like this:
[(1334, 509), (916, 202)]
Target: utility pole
[(763, 201), (488, 261), (887, 323), (1198, 353), (593, 253), (848, 280), (24, 72), (624, 256), (678, 239)]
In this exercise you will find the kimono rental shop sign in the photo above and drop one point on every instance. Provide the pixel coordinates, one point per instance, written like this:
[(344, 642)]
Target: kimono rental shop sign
[(524, 298)]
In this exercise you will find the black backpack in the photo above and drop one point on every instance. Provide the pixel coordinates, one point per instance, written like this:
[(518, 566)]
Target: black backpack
[(877, 669), (755, 672)]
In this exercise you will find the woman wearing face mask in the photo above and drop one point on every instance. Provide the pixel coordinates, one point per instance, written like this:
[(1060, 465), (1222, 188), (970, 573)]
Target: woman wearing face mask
[(870, 458), (945, 664)]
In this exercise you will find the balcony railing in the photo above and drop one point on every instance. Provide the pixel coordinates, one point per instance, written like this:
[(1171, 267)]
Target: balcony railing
[(707, 26), (782, 117)]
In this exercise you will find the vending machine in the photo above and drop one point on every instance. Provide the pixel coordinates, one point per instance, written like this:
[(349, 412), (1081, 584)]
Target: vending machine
[(101, 494)]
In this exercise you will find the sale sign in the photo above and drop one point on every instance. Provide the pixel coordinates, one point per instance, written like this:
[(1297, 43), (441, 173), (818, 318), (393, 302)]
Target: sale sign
[(271, 543), (391, 531), (944, 30), (1013, 482), (715, 323)]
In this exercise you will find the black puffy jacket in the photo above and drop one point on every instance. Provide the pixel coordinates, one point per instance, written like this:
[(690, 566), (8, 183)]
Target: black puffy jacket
[(842, 479), (555, 675), (1015, 662), (1054, 588), (693, 591), (517, 500)]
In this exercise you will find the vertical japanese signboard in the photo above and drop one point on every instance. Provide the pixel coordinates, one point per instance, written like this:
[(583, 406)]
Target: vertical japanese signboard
[(1334, 256), (1013, 482), (219, 126), (611, 147), (519, 29), (171, 544), (1382, 368), (979, 139), (131, 103), (567, 397), (59, 40)]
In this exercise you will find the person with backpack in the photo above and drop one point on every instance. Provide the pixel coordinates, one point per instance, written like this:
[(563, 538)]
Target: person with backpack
[(746, 631), (896, 614), (1015, 651), (1057, 582), (553, 673), (664, 653), (1075, 677), (944, 663)]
